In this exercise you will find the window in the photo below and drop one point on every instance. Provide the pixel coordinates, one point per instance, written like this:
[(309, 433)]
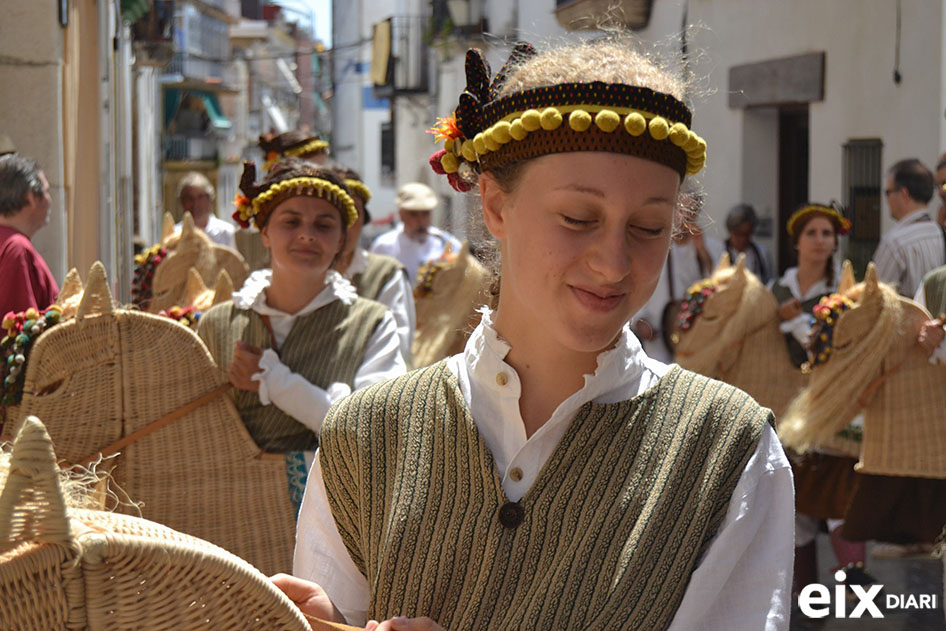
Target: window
[(862, 184)]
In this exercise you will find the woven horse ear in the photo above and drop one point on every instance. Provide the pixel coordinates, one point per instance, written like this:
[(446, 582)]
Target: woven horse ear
[(870, 280), (32, 507), (97, 298), (223, 290), (724, 262), (194, 289), (167, 228), (847, 277), (71, 294)]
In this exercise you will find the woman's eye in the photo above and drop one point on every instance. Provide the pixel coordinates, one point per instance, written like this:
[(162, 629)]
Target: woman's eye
[(576, 222), (651, 232)]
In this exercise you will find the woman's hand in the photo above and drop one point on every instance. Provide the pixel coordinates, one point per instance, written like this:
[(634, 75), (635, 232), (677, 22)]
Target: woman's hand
[(245, 364), (931, 335), (400, 623), (789, 309), (308, 597)]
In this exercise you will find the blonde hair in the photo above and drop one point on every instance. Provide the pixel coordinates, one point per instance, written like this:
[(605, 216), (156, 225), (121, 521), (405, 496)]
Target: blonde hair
[(195, 180)]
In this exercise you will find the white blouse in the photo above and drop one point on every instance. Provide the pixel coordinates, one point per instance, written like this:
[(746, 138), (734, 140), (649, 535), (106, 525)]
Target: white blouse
[(397, 295), (800, 326), (294, 394), (742, 583)]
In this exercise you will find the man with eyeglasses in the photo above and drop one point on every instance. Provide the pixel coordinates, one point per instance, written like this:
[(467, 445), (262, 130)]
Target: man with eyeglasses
[(916, 244)]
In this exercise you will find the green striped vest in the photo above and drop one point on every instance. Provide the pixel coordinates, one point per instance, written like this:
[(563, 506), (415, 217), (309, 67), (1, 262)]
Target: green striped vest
[(934, 291), (325, 346), (379, 270), (610, 531)]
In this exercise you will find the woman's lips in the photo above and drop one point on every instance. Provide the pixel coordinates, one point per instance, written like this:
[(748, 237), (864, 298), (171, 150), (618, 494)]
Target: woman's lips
[(596, 299)]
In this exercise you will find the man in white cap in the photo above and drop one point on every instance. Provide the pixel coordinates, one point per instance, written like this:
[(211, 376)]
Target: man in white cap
[(415, 241)]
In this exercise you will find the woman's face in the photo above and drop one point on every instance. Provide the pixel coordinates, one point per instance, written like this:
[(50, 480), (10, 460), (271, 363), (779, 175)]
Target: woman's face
[(817, 240), (584, 237), (303, 235)]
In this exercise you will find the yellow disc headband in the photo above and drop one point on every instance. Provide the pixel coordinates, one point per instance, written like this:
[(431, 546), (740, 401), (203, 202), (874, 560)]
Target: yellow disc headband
[(359, 188), (842, 223), (258, 208), (315, 145), (488, 132)]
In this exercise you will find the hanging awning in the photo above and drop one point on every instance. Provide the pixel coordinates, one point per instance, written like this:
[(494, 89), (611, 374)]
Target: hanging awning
[(172, 102)]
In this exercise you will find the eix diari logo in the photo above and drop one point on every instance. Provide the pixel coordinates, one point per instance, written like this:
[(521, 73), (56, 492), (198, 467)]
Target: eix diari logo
[(815, 600)]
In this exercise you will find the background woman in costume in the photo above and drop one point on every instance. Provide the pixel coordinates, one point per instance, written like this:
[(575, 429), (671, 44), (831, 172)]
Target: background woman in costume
[(376, 276), (298, 338), (504, 487), (824, 480)]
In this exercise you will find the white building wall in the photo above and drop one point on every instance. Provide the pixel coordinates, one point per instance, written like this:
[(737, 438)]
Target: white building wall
[(860, 100)]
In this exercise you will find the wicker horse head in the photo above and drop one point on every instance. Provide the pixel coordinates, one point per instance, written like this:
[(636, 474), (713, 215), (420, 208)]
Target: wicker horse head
[(192, 249), (110, 373), (69, 568), (447, 294), (729, 331), (868, 360)]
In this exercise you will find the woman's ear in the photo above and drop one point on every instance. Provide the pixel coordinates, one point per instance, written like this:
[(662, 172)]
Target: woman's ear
[(494, 204), (264, 233)]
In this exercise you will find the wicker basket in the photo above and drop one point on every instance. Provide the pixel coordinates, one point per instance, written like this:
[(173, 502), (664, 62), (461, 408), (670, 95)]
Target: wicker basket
[(192, 249), (80, 569), (109, 373)]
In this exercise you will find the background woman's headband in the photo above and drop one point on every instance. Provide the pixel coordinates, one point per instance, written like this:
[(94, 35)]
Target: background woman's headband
[(833, 212), (487, 132), (258, 201)]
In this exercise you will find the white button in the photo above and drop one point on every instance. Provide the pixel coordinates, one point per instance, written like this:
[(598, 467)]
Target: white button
[(515, 474), (502, 378)]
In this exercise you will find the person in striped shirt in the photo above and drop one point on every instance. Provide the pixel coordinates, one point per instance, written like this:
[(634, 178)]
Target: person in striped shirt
[(916, 244)]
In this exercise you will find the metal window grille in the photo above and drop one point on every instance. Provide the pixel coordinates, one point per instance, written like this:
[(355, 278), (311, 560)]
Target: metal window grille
[(863, 184)]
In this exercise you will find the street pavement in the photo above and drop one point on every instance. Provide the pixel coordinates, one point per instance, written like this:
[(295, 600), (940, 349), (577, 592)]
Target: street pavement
[(899, 577)]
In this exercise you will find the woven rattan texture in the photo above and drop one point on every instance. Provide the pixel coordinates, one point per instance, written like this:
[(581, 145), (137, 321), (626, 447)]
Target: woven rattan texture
[(737, 340), (84, 569), (904, 432), (202, 474)]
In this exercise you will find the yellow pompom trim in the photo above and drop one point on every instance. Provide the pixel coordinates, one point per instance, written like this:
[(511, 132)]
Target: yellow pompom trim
[(679, 134), (659, 129), (635, 124), (501, 132), (313, 146), (491, 143), (551, 119), (479, 143), (607, 120), (691, 143), (531, 120), (700, 148), (333, 193), (579, 120), (518, 130), (449, 163), (468, 151), (448, 144), (360, 188)]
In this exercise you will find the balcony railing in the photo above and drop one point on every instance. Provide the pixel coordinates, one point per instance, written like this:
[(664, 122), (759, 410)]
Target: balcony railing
[(184, 148)]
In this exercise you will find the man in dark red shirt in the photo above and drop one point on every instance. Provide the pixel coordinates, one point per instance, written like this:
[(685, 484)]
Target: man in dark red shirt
[(25, 279)]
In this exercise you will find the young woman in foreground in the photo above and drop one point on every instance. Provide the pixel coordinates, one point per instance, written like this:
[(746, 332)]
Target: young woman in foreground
[(552, 476)]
